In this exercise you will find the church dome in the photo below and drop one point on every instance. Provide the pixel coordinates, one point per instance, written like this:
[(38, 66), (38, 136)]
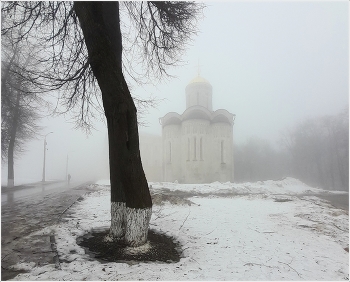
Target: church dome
[(199, 79)]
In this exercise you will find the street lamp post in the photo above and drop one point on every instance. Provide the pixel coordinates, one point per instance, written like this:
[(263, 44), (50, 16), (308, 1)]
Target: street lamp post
[(45, 157), (67, 169), (67, 164)]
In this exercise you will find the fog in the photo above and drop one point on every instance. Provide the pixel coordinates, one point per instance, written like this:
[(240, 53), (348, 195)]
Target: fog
[(272, 64), (87, 154)]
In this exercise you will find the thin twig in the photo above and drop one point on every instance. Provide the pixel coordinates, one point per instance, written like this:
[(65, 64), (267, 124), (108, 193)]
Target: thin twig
[(197, 263), (259, 264), (210, 232), (340, 228), (8, 254), (261, 231), (185, 219), (290, 268)]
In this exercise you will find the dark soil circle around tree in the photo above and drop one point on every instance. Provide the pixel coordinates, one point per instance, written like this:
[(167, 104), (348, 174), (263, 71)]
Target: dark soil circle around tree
[(159, 247)]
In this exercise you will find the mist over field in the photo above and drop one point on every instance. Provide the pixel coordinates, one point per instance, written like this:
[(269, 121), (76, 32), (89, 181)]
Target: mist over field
[(280, 67)]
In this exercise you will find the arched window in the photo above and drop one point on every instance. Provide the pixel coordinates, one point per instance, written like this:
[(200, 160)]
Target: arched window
[(188, 149), (194, 149), (222, 152), (201, 149), (169, 152)]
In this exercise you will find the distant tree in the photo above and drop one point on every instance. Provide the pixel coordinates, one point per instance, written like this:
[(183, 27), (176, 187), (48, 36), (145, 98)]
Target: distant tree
[(319, 148), (256, 159), (19, 105), (339, 136), (85, 50)]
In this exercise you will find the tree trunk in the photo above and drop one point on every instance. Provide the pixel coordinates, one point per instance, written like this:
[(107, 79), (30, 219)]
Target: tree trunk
[(131, 204), (11, 148), (10, 168)]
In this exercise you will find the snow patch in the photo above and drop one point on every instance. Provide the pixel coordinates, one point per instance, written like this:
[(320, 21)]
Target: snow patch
[(23, 266), (243, 237), (45, 231), (103, 182), (287, 185)]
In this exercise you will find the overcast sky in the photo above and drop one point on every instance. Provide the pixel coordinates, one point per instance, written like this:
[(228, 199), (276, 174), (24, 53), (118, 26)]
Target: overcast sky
[(270, 63)]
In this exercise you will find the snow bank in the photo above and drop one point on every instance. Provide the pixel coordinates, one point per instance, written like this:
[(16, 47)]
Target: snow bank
[(288, 185), (103, 182)]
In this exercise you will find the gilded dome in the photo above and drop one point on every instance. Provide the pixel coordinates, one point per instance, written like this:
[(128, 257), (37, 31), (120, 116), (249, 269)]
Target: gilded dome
[(199, 79)]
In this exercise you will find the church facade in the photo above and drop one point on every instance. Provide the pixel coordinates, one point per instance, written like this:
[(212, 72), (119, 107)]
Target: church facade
[(198, 144)]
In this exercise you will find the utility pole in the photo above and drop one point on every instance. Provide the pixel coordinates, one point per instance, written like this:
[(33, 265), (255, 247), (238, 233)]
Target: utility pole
[(43, 180), (67, 169)]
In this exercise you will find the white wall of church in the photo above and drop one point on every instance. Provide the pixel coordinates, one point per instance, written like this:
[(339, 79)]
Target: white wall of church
[(198, 151), (195, 155), (171, 152), (222, 152), (151, 156)]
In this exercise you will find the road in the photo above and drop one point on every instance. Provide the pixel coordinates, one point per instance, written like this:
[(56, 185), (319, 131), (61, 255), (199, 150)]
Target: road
[(9, 195), (30, 208)]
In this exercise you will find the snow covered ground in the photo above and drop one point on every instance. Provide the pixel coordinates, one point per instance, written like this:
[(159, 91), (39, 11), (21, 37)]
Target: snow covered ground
[(250, 231)]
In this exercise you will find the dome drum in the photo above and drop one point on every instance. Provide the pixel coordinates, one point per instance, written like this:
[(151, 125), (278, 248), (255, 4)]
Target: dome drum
[(199, 92)]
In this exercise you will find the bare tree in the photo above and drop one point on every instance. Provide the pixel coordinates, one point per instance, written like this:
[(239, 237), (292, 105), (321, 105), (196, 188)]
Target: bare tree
[(84, 51), (19, 106), (319, 148), (316, 151)]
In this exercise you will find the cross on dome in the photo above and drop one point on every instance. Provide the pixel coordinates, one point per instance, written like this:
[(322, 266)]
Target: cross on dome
[(198, 69)]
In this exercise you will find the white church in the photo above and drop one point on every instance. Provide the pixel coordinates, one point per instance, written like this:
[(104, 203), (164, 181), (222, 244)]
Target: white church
[(197, 146)]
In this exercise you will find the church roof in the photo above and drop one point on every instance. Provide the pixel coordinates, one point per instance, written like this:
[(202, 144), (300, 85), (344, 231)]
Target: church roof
[(198, 112), (199, 79)]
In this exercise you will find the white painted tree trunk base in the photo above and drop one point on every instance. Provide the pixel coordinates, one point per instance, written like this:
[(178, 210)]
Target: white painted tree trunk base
[(137, 222), (118, 210), (129, 224)]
